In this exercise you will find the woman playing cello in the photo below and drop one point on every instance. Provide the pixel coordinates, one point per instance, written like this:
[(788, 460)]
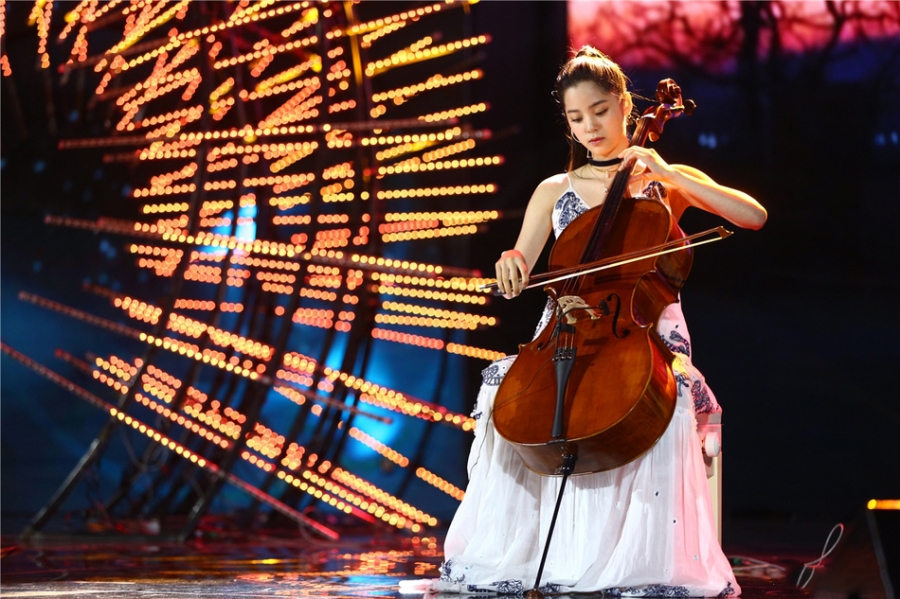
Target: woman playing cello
[(641, 529)]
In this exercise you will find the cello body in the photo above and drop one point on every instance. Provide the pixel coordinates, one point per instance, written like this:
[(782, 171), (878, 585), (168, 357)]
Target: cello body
[(621, 393)]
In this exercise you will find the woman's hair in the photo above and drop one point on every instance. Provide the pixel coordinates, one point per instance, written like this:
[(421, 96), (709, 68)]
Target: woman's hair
[(588, 64)]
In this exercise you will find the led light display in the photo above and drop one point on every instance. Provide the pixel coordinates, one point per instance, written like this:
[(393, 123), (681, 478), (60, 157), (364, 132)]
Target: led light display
[(265, 139)]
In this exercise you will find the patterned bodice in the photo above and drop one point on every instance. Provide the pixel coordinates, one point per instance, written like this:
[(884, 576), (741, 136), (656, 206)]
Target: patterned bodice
[(571, 205), (671, 326)]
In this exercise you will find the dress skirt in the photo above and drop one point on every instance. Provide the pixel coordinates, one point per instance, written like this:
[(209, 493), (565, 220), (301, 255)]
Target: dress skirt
[(644, 529)]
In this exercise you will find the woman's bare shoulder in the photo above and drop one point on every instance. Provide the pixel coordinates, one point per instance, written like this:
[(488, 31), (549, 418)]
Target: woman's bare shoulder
[(550, 189), (556, 181)]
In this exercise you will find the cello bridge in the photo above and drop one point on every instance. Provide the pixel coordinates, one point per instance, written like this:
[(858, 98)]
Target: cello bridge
[(575, 309)]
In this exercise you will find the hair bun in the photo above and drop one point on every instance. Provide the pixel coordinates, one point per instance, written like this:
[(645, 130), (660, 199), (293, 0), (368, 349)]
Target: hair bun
[(591, 52)]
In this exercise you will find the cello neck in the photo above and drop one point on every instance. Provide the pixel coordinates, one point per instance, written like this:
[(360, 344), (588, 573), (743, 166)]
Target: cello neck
[(614, 196)]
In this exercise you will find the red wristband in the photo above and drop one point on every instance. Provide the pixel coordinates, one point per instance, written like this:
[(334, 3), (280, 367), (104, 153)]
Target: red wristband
[(514, 253), (509, 253)]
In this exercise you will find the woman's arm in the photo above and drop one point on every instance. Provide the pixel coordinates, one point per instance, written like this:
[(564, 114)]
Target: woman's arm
[(698, 189), (514, 266)]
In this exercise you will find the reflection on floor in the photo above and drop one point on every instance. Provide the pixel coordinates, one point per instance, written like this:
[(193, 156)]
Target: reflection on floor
[(262, 566)]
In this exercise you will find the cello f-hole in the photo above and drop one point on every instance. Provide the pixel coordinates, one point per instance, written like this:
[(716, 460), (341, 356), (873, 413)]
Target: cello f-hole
[(615, 320)]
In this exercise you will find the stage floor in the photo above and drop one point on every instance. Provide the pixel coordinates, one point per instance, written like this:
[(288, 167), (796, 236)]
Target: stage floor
[(237, 567)]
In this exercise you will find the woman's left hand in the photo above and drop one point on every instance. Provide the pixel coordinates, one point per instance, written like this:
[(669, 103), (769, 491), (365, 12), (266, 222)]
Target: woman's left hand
[(655, 164)]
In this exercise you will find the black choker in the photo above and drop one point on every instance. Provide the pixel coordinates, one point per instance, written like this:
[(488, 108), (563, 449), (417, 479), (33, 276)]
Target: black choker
[(602, 163)]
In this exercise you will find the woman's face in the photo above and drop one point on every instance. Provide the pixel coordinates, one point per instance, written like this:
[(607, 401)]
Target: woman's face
[(597, 118)]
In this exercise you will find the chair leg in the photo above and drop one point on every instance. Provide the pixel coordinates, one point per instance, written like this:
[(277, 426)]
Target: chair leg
[(714, 480), (709, 427)]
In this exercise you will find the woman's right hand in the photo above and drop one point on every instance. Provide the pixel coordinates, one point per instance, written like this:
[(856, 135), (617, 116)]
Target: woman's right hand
[(512, 273)]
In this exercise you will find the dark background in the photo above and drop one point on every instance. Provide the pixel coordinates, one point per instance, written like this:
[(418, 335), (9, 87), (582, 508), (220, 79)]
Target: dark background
[(795, 326)]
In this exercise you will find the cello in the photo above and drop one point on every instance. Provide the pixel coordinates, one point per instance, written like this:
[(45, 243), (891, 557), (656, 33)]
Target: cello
[(595, 389), (597, 383)]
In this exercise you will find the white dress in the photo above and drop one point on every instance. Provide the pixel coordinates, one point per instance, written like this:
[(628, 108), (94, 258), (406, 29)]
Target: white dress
[(644, 529)]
